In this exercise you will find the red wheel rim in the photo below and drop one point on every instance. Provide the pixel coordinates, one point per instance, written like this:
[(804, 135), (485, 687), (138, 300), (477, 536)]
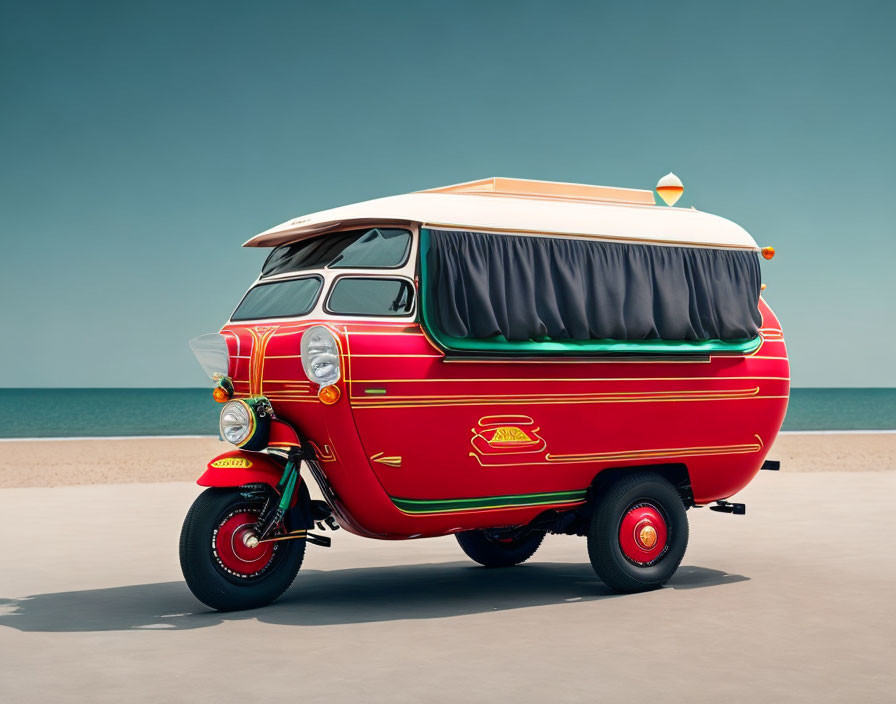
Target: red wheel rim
[(232, 554), (643, 534)]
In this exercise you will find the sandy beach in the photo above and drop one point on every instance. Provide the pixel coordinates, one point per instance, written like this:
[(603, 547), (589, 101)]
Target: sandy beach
[(45, 463)]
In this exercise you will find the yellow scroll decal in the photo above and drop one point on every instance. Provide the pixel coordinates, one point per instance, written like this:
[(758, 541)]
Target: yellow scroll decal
[(505, 435), (232, 463), (393, 461)]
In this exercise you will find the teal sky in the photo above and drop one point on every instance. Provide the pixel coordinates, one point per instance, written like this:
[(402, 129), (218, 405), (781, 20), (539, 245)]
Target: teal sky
[(142, 143)]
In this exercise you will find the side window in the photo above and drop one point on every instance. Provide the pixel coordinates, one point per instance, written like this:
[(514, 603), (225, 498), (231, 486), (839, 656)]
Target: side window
[(280, 299), (355, 295)]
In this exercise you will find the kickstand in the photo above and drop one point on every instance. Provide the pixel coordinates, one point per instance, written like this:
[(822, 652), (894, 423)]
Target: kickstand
[(321, 540)]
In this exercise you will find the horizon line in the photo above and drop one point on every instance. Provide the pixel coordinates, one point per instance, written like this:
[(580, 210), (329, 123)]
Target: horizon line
[(210, 386)]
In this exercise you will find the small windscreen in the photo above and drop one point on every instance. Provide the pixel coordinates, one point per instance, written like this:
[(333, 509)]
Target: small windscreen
[(376, 248), (279, 299), (360, 296)]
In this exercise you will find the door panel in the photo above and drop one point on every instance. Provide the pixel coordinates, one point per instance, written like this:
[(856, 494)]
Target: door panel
[(436, 427)]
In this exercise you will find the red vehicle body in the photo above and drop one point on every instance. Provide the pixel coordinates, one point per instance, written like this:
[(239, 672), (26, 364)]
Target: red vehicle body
[(715, 416), (422, 441)]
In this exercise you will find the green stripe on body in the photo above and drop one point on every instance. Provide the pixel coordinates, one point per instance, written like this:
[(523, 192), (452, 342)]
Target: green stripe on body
[(487, 502)]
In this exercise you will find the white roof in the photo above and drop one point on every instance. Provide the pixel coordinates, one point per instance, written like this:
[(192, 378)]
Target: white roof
[(528, 207)]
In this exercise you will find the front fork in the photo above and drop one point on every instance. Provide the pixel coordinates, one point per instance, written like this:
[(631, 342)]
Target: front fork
[(272, 516)]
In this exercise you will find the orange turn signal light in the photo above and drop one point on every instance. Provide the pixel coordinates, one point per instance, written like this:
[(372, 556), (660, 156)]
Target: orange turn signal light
[(220, 394), (768, 252), (329, 394)]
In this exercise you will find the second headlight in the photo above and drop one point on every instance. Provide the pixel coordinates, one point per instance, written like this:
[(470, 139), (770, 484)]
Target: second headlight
[(320, 355)]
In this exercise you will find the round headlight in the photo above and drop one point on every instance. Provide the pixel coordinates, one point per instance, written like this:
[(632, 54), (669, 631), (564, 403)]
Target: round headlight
[(320, 355), (237, 422)]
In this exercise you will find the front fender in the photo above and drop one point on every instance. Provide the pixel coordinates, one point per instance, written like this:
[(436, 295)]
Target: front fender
[(239, 467)]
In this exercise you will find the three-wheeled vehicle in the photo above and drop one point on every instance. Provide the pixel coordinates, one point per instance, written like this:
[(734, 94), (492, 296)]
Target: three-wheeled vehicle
[(496, 360)]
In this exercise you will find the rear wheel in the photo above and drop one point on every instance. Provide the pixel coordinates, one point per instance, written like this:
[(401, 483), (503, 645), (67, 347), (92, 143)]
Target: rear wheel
[(638, 533), (493, 550), (221, 570)]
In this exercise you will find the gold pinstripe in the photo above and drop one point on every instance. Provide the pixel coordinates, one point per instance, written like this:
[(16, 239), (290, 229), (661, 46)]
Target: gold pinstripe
[(746, 448)]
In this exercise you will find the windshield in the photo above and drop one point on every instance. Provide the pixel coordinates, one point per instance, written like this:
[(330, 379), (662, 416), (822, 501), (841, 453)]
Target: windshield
[(279, 299), (375, 248)]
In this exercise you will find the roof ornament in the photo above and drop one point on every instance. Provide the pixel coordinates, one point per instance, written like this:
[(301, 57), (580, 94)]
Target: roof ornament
[(670, 188)]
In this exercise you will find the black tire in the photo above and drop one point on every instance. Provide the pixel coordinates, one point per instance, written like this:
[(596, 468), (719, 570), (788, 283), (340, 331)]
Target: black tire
[(491, 552), (607, 557), (206, 575)]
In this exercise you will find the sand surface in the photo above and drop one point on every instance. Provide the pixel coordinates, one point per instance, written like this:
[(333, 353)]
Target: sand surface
[(791, 603), (41, 463)]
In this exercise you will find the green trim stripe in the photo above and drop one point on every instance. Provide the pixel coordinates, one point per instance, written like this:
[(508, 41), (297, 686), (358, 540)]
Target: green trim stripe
[(575, 347), (500, 344), (487, 502)]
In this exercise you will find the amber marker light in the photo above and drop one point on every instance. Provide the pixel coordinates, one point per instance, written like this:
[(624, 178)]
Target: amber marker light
[(220, 394), (670, 188), (768, 252), (329, 394)]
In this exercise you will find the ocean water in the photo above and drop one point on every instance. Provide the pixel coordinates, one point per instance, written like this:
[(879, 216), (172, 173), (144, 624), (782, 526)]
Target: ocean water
[(41, 413), (47, 413)]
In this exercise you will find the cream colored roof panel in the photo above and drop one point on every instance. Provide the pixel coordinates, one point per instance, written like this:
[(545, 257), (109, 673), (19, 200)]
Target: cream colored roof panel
[(543, 208)]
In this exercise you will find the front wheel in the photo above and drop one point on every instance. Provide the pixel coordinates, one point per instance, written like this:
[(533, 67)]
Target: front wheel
[(492, 550), (220, 569), (638, 533)]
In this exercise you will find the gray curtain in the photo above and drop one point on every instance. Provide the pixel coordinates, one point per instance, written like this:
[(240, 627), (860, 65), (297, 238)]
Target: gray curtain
[(530, 288)]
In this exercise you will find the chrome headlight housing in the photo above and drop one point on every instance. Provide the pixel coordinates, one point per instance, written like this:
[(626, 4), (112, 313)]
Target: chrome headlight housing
[(320, 355), (242, 423), (236, 421)]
